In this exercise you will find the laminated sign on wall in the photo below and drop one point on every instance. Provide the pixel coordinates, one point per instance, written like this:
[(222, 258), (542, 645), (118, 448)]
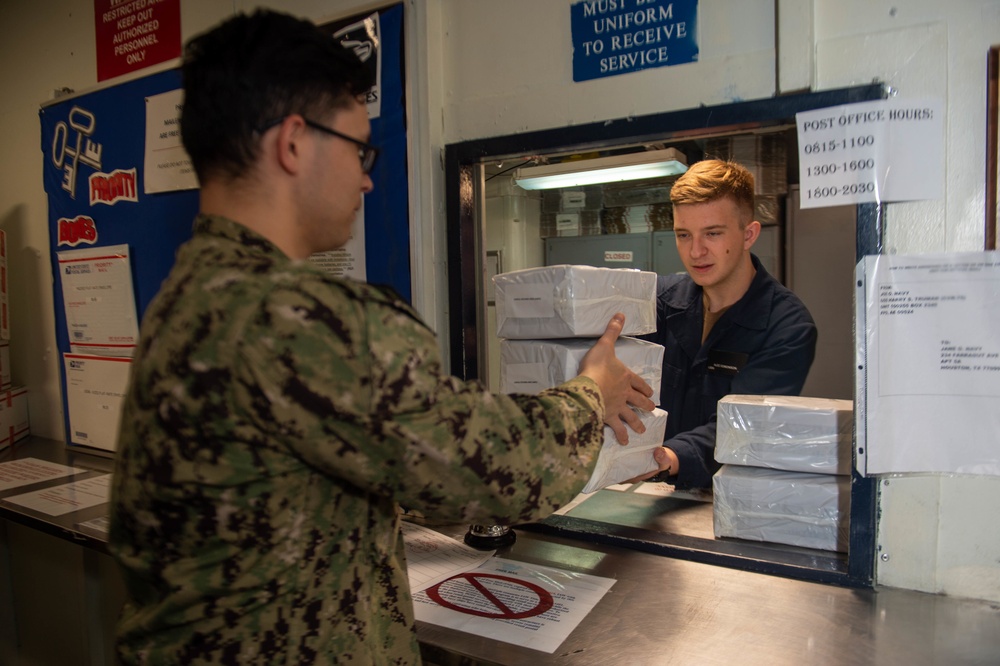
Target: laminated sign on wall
[(929, 364)]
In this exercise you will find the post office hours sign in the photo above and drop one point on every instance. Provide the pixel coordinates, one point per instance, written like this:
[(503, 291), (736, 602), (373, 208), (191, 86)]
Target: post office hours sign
[(880, 151), (613, 37)]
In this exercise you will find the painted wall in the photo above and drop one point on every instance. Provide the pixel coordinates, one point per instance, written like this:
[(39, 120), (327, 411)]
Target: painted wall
[(936, 532), (931, 529), (479, 68)]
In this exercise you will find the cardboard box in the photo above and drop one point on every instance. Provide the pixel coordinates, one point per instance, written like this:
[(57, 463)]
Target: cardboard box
[(789, 433), (618, 463), (568, 200), (530, 366), (579, 223), (808, 510), (14, 424), (5, 366), (637, 219), (4, 313), (567, 301)]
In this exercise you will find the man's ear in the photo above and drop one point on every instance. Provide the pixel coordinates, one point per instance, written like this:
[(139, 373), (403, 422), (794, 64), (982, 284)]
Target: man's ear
[(288, 143), (751, 234)]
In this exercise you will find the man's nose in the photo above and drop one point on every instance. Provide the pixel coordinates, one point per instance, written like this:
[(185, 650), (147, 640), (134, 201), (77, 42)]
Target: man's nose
[(367, 185), (697, 247)]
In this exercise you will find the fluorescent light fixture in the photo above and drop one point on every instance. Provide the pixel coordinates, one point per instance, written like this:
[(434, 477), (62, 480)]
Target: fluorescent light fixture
[(633, 166)]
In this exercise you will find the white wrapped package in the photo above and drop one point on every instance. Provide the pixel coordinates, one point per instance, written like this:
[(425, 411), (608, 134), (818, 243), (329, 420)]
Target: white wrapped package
[(530, 366), (573, 301), (809, 510), (617, 463), (785, 432)]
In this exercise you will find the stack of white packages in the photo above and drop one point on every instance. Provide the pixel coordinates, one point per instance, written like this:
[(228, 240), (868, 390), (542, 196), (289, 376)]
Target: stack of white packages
[(786, 470), (529, 366), (573, 301), (548, 318)]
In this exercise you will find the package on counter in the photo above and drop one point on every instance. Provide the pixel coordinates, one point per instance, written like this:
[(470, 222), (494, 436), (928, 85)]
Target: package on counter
[(785, 432), (618, 463), (13, 416), (568, 301), (808, 510), (530, 366)]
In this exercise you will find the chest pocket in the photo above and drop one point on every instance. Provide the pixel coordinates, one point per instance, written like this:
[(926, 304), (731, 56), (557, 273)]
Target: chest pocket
[(720, 370), (671, 382), (672, 376)]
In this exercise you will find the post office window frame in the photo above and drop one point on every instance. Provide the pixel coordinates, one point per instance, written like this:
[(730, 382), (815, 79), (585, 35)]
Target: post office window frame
[(466, 261)]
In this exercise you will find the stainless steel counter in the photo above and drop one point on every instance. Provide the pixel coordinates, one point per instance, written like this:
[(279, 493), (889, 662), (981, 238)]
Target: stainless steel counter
[(70, 526), (667, 611), (661, 610)]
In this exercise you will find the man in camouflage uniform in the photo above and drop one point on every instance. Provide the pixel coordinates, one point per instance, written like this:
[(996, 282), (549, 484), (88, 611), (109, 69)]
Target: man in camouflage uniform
[(277, 416)]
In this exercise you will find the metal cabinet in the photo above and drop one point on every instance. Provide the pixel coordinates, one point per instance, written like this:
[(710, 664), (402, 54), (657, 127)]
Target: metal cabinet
[(606, 250)]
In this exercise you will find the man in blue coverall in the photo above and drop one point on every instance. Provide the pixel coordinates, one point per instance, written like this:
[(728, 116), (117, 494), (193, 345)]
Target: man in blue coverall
[(727, 326)]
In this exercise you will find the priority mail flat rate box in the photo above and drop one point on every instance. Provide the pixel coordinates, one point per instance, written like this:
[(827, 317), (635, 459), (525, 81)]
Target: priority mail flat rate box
[(14, 424), (808, 510), (567, 301), (530, 366), (785, 432)]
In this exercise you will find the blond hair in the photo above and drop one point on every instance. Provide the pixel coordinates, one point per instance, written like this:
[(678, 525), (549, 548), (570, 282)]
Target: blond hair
[(710, 180)]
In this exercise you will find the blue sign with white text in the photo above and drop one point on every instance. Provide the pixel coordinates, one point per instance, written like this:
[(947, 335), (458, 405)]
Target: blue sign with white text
[(612, 37)]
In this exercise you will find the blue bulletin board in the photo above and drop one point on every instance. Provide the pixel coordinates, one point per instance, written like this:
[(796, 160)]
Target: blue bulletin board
[(378, 40), (93, 148)]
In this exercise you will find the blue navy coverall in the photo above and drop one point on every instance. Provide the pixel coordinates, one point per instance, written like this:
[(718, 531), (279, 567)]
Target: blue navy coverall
[(763, 345)]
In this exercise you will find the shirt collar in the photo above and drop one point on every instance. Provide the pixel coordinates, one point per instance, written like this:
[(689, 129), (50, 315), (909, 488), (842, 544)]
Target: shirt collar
[(222, 227)]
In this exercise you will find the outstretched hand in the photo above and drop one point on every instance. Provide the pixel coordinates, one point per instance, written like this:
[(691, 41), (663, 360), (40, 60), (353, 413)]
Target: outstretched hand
[(622, 389), (666, 461)]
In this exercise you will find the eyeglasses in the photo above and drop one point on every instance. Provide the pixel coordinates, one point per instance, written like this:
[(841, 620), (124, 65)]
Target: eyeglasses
[(367, 153)]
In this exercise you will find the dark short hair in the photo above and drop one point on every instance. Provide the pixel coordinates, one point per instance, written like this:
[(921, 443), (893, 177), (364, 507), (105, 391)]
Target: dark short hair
[(254, 69), (709, 180)]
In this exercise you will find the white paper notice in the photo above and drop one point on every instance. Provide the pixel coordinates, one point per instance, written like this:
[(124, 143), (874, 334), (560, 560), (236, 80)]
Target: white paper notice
[(885, 150), (99, 300), (525, 301), (67, 498), (525, 604), (526, 377), (166, 165), (349, 260), (26, 471), (432, 557), (95, 390), (932, 374)]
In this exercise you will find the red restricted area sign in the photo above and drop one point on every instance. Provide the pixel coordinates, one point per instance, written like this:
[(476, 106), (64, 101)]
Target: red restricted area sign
[(492, 596), (133, 34)]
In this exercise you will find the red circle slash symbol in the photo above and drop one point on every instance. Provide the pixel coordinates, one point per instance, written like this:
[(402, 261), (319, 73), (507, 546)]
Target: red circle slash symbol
[(454, 589)]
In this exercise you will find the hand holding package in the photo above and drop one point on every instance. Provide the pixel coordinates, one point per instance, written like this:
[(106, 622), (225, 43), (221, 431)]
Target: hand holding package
[(618, 463)]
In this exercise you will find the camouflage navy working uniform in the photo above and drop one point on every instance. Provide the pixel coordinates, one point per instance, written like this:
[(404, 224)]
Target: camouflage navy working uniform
[(275, 418)]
